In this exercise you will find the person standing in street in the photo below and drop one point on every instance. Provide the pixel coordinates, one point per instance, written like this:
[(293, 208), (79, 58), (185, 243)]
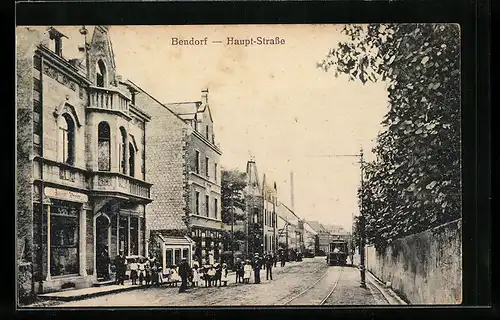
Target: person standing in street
[(120, 264), (183, 273), (269, 266), (103, 263), (275, 259), (282, 259), (257, 264)]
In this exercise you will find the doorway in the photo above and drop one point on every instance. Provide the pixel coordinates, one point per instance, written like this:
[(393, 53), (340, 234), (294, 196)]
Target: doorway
[(103, 225)]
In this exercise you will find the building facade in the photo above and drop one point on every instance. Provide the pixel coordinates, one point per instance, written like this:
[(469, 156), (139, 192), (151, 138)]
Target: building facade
[(290, 229), (81, 147), (183, 158)]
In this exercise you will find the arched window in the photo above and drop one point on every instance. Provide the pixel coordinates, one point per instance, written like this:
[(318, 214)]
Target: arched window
[(123, 151), (101, 75), (104, 150), (67, 139), (131, 159)]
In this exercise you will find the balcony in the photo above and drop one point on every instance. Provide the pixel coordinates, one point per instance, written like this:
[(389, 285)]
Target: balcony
[(114, 183), (107, 99)]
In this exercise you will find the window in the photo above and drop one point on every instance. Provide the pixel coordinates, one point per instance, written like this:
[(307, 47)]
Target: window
[(123, 151), (197, 197), (197, 162), (134, 235), (37, 115), (131, 160), (66, 139), (265, 216), (185, 254), (216, 208), (177, 256), (215, 172), (206, 166), (168, 257), (101, 76), (123, 235), (207, 206), (64, 239), (206, 132), (104, 150)]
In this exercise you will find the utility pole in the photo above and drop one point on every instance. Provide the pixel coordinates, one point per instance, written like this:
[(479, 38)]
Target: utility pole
[(362, 267), (232, 229)]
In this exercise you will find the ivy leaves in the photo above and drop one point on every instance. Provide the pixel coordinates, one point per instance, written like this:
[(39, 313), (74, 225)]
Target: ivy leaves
[(415, 182)]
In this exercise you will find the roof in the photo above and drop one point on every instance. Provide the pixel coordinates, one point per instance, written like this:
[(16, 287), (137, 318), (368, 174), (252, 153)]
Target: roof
[(318, 227), (174, 240), (186, 110)]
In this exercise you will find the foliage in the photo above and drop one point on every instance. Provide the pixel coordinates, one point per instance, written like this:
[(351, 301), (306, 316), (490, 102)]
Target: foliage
[(414, 183), (233, 186)]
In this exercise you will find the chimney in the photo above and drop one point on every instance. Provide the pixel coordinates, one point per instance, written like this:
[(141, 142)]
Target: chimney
[(204, 95)]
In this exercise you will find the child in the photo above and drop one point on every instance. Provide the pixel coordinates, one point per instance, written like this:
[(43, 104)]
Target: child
[(133, 271), (211, 275), (196, 276), (223, 278), (247, 272), (174, 276), (142, 271), (206, 276)]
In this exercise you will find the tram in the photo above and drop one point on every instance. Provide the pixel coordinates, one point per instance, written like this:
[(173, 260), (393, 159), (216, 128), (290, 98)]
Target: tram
[(337, 255)]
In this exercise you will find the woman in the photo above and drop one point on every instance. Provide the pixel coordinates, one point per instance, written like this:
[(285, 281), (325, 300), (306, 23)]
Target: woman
[(223, 278), (247, 269)]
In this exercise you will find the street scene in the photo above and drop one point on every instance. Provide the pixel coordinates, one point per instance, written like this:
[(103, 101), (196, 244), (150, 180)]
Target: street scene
[(177, 166)]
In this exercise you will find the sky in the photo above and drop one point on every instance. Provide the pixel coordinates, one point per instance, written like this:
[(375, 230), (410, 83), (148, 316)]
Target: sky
[(269, 102)]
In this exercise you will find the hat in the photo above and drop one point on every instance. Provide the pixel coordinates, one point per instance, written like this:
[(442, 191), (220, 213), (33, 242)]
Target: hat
[(256, 254)]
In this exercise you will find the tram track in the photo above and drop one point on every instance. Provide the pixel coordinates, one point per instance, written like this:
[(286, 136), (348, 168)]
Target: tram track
[(314, 284)]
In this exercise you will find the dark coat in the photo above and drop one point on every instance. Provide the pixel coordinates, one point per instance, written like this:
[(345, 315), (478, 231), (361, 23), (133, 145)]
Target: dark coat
[(257, 263), (184, 269), (120, 262), (269, 260)]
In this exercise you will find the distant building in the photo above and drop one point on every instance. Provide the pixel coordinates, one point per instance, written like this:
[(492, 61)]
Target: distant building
[(290, 229)]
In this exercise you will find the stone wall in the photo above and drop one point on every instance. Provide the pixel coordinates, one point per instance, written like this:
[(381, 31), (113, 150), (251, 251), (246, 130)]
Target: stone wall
[(425, 268), (166, 165)]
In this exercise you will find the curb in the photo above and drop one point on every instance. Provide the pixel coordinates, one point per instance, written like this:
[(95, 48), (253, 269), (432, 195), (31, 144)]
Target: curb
[(388, 293)]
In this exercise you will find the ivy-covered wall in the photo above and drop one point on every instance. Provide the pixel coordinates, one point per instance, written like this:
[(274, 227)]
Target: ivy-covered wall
[(425, 268)]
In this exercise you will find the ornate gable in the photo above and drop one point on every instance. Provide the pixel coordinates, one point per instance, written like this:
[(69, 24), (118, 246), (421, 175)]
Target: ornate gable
[(101, 56)]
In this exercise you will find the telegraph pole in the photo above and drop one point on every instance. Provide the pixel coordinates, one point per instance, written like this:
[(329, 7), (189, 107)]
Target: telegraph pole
[(232, 229)]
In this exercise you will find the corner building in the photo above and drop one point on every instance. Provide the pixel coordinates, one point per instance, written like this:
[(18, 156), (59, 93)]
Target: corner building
[(81, 151)]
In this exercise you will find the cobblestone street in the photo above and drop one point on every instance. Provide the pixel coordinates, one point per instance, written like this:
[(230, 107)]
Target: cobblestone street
[(299, 283)]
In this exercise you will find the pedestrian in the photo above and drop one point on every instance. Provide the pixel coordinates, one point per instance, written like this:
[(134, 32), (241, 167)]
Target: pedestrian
[(211, 275), (269, 266), (103, 263), (218, 275), (247, 268), (141, 267), (134, 267), (183, 273), (196, 275), (120, 265), (205, 275), (239, 271), (174, 275), (257, 265), (223, 278), (282, 259), (275, 259)]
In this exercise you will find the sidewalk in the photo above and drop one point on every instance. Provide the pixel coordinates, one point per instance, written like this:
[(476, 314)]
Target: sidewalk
[(389, 295)]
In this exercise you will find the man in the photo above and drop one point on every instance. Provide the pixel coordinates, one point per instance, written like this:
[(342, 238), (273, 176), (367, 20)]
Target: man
[(257, 264), (275, 259), (103, 263), (120, 264), (239, 271), (269, 266), (282, 259), (183, 273)]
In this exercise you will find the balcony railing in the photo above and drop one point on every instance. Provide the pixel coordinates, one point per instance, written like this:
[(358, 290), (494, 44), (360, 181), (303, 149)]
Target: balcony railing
[(59, 173), (108, 99), (117, 182)]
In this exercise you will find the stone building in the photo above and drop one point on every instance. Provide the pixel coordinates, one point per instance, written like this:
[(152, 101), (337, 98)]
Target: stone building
[(261, 201), (80, 158), (290, 229), (183, 161)]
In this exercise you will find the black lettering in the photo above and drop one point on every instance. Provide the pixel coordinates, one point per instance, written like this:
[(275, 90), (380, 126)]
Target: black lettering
[(175, 41)]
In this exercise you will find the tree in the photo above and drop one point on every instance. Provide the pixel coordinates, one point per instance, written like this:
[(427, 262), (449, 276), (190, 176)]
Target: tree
[(414, 184), (233, 186)]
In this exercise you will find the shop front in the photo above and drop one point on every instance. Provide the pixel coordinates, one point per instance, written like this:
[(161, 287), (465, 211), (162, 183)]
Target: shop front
[(173, 250), (62, 232), (208, 245)]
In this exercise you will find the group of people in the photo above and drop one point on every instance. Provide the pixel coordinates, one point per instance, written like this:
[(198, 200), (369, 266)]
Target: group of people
[(149, 271)]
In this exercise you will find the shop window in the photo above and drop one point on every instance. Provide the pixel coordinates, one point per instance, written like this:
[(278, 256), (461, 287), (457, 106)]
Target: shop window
[(185, 254), (134, 236), (131, 160), (64, 238), (123, 151), (66, 139), (101, 75), (168, 256), (123, 235), (104, 139)]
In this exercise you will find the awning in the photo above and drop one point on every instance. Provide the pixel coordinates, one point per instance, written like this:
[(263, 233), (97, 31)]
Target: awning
[(176, 241)]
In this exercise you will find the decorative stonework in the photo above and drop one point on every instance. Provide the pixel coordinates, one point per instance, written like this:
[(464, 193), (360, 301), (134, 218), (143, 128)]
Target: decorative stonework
[(59, 77), (122, 183), (103, 181)]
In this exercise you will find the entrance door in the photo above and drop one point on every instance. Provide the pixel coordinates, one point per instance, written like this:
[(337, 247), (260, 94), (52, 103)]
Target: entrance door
[(102, 242)]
